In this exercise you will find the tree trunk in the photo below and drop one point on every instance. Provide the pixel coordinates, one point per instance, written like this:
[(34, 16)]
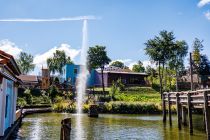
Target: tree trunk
[(176, 82), (165, 81), (102, 79), (170, 79), (198, 81), (160, 80)]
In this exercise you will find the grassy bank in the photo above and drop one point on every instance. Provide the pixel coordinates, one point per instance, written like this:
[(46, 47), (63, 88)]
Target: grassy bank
[(133, 100)]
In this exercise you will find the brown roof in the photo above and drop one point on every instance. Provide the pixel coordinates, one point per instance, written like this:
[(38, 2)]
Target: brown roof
[(28, 78), (7, 59)]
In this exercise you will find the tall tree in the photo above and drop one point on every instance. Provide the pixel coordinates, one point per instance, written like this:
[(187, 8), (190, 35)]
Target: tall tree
[(97, 58), (25, 62), (138, 67), (196, 57), (56, 63), (176, 61), (160, 50), (118, 64)]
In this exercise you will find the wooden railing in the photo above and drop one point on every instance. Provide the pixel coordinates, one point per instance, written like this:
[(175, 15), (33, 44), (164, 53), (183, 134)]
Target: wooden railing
[(185, 102)]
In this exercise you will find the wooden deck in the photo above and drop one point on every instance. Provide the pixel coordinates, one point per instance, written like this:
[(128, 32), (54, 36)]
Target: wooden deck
[(185, 102)]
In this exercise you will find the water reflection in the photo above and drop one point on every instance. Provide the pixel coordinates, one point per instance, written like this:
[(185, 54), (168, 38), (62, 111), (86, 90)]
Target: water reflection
[(123, 127)]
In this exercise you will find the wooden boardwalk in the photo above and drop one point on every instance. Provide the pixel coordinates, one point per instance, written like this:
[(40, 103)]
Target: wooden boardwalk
[(185, 102)]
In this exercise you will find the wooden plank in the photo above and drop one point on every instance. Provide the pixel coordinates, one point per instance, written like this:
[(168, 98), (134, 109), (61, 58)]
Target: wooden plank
[(197, 102), (190, 114)]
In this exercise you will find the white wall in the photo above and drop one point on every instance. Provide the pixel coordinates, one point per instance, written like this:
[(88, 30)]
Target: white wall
[(2, 106)]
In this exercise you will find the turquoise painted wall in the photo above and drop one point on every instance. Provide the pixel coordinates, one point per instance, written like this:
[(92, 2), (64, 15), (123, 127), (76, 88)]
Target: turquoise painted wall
[(8, 107), (69, 72)]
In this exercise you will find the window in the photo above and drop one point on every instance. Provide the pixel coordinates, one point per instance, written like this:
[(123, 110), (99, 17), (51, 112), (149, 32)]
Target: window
[(75, 71), (6, 106)]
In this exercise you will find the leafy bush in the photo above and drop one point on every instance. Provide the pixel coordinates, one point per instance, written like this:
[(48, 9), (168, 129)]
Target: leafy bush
[(28, 96), (36, 92), (129, 107), (53, 92), (58, 99), (21, 102)]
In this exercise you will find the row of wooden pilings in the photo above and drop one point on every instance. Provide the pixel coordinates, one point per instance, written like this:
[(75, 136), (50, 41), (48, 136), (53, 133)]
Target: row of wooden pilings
[(185, 103)]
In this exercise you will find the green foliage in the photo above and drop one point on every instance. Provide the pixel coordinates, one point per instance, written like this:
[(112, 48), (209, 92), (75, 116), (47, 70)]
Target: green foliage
[(56, 80), (21, 102), (36, 92), (118, 64), (28, 96), (152, 74), (204, 67), (53, 92), (97, 57), (138, 67), (129, 107), (197, 48), (141, 94), (25, 62), (58, 99), (114, 90), (56, 63)]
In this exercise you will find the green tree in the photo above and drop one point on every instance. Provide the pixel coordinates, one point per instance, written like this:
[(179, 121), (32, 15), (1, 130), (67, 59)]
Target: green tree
[(138, 67), (196, 56), (118, 64), (53, 92), (97, 58), (176, 62), (204, 67), (56, 63), (152, 74), (25, 62), (160, 50)]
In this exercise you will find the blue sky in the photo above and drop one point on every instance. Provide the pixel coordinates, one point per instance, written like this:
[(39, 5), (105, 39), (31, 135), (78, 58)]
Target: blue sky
[(124, 26)]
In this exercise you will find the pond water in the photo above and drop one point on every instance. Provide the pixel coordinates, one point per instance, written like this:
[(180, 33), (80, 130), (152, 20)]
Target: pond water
[(46, 126)]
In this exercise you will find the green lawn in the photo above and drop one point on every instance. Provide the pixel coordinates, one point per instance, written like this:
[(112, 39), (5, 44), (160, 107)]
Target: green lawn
[(137, 94)]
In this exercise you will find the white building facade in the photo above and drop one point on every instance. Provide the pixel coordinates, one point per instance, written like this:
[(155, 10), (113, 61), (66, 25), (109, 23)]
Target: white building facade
[(8, 91)]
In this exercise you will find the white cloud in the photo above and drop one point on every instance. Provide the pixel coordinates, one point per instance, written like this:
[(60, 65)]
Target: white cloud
[(10, 48), (149, 63), (41, 59), (207, 15), (203, 3)]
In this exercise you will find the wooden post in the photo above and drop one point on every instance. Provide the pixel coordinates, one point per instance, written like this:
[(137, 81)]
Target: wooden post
[(191, 72), (178, 111), (184, 115), (164, 107), (65, 129), (204, 120), (93, 111), (207, 114), (190, 113), (169, 110)]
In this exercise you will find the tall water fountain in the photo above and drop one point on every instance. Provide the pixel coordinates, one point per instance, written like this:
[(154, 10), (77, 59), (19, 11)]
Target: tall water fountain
[(81, 83)]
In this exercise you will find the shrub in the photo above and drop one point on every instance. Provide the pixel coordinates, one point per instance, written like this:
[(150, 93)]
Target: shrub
[(53, 92), (129, 107), (36, 92), (28, 96), (21, 102)]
